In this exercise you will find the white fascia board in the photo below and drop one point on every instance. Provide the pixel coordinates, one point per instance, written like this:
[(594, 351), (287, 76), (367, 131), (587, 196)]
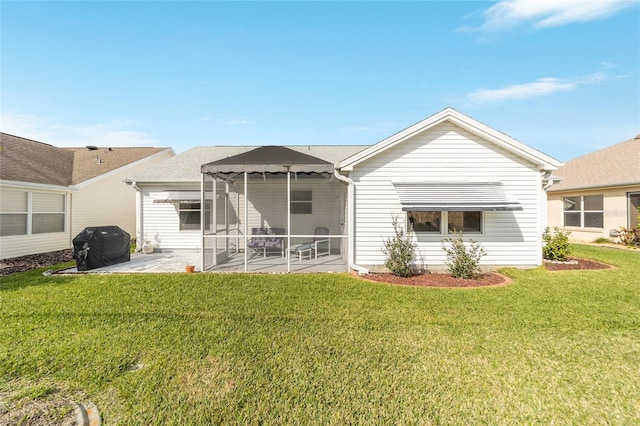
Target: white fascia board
[(120, 169), (14, 184), (543, 161)]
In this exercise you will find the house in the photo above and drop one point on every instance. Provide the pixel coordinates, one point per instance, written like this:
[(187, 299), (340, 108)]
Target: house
[(599, 192), (49, 194), (448, 172)]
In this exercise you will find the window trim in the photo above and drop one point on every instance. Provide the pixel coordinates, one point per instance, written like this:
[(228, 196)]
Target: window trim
[(581, 212), (194, 227), (30, 213), (444, 224)]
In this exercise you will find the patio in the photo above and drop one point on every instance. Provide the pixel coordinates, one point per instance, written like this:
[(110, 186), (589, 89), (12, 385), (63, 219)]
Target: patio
[(175, 261)]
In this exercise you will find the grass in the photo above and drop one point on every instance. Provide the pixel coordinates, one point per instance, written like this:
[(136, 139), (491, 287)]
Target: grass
[(553, 347)]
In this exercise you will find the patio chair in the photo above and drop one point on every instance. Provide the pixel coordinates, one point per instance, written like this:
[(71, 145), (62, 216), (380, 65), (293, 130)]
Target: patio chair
[(274, 242), (319, 246), (257, 241)]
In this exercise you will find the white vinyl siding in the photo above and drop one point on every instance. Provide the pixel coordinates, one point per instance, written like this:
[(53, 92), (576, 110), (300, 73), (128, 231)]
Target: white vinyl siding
[(441, 154), (267, 208)]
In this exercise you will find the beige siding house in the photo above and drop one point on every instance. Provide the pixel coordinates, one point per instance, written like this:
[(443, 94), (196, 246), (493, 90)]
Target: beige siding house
[(49, 194), (446, 173), (598, 193)]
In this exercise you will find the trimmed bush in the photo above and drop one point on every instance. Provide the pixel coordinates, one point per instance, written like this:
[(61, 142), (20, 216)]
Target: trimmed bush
[(399, 250), (462, 261), (556, 245)]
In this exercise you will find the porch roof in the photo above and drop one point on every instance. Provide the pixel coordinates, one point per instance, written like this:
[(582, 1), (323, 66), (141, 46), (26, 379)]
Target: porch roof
[(269, 159)]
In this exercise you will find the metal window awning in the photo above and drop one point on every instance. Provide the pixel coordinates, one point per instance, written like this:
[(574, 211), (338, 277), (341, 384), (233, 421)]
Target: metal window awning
[(455, 196), (178, 196)]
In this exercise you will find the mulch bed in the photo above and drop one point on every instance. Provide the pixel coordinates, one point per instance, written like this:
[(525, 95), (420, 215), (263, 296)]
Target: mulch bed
[(485, 280), (34, 261), (439, 280), (576, 264)]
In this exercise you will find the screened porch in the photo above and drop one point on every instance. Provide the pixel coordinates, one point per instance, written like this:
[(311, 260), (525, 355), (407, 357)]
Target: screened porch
[(274, 210)]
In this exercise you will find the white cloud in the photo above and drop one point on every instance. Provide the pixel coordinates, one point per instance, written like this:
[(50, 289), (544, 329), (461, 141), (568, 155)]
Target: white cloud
[(537, 88), (548, 13), (114, 133)]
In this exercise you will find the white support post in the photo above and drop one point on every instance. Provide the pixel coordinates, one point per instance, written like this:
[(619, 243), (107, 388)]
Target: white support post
[(246, 222), (288, 221), (202, 224)]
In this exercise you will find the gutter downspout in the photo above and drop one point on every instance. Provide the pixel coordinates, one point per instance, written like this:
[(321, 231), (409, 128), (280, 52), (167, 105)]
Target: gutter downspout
[(351, 220), (139, 220)]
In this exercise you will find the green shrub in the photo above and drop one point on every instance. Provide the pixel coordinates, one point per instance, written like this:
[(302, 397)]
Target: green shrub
[(556, 245), (462, 261), (602, 240), (400, 251)]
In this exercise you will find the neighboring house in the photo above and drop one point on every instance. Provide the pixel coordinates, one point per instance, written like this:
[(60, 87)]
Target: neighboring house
[(598, 193), (448, 172), (49, 194)]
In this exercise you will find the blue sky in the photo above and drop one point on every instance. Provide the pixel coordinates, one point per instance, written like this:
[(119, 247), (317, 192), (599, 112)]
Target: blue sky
[(560, 76)]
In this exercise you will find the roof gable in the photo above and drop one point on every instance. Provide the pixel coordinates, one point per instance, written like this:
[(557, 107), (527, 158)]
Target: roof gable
[(544, 161), (616, 165)]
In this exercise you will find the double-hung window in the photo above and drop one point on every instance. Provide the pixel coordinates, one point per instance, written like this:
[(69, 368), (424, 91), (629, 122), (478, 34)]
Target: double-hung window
[(26, 213), (583, 211)]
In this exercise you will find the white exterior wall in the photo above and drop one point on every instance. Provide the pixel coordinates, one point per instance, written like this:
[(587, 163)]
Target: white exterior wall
[(448, 153), (21, 245), (615, 207), (105, 202), (267, 207), (108, 200)]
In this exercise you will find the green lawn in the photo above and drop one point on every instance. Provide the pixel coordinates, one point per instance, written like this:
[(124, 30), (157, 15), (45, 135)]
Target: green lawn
[(553, 347)]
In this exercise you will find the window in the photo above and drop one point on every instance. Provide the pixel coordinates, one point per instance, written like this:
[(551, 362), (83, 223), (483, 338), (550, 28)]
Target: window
[(24, 213), (48, 213), (465, 222), (301, 202), (584, 211), (189, 214), (425, 221), (14, 213), (435, 222)]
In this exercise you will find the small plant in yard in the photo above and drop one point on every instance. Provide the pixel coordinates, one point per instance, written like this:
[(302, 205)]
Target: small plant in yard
[(462, 261), (601, 240), (628, 236), (556, 244), (399, 250)]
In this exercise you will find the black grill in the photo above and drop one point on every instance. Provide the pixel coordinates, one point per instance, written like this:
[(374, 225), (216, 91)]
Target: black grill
[(99, 246)]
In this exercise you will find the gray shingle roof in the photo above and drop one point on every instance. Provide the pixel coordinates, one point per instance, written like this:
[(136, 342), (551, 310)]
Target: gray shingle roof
[(26, 160), (615, 165), (185, 167)]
